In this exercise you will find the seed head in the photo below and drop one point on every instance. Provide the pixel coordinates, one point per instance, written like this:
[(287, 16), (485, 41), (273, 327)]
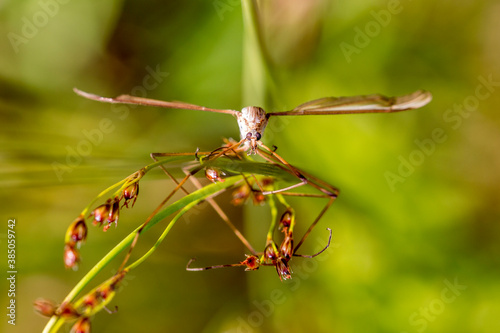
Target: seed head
[(66, 310), (101, 213), (270, 252), (71, 257), (240, 194), (113, 213), (258, 197), (77, 232), (283, 269), (81, 326), (45, 307), (286, 221), (130, 193), (286, 248), (252, 262), (214, 174)]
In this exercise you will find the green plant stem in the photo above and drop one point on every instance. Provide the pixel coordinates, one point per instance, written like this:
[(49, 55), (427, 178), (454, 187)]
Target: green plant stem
[(124, 181), (184, 204), (100, 195), (274, 217), (288, 207), (164, 234), (256, 75)]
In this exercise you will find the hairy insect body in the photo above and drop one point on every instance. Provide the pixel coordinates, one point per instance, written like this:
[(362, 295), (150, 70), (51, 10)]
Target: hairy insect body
[(252, 121)]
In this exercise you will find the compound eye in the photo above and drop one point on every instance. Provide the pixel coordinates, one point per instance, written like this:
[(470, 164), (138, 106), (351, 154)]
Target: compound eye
[(258, 136), (249, 136)]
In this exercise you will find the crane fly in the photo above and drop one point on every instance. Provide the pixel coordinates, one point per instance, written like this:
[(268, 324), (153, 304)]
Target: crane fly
[(252, 120)]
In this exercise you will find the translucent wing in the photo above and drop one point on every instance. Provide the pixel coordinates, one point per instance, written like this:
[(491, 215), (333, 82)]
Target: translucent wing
[(127, 99), (360, 104)]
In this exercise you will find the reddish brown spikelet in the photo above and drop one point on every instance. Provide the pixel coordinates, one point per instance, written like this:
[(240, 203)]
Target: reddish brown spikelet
[(258, 197), (270, 252), (240, 194), (66, 310), (113, 282), (71, 257), (130, 193), (265, 182), (214, 174), (109, 287), (105, 291), (114, 211), (286, 248), (283, 269), (252, 262), (101, 213), (81, 326), (77, 232), (45, 307), (285, 221), (90, 300)]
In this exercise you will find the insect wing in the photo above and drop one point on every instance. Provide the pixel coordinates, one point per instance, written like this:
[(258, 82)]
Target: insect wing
[(127, 99), (360, 104)]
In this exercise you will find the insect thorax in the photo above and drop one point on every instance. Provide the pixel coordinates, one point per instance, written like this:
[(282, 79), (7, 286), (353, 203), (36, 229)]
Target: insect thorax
[(253, 120)]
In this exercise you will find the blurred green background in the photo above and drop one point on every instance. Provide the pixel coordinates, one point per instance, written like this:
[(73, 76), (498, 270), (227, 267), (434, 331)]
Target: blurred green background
[(416, 233)]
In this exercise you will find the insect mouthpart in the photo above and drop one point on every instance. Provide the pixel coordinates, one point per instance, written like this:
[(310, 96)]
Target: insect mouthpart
[(251, 142)]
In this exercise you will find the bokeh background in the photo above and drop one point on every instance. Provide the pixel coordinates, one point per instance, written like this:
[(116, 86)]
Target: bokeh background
[(416, 233)]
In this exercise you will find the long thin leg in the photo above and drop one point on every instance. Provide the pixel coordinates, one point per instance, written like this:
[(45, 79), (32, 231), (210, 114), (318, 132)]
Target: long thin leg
[(198, 185), (284, 188), (225, 218), (317, 253), (179, 185), (329, 190), (311, 227), (154, 157), (251, 262), (194, 269), (271, 153), (326, 189), (272, 156)]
